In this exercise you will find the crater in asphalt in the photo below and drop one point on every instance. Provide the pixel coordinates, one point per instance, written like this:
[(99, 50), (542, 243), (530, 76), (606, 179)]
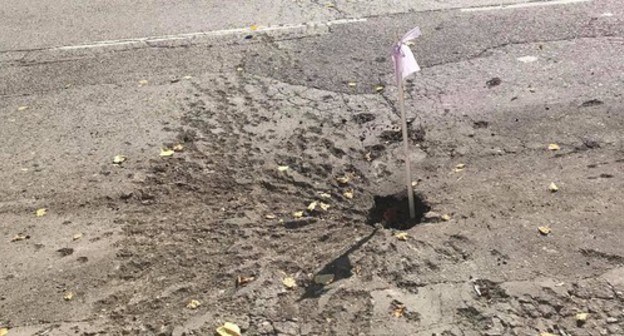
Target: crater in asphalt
[(392, 211)]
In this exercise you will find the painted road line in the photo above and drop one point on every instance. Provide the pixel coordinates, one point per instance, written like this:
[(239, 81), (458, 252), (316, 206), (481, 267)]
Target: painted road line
[(523, 5)]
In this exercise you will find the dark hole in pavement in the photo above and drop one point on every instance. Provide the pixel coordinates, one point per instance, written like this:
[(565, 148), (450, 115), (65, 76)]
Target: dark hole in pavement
[(392, 211)]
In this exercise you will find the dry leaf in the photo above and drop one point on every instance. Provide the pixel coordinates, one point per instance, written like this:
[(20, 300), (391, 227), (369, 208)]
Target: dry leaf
[(289, 282), (243, 280), (581, 317), (446, 217), (410, 43), (119, 159), (193, 304), (343, 179), (546, 334), (459, 167), (77, 236), (4, 331), (351, 84), (330, 5), (348, 194), (545, 230), (324, 206), (239, 69), (402, 236), (187, 77), (324, 279), (379, 88), (166, 152), (282, 168), (368, 157), (324, 195), (312, 206), (554, 147), (270, 216), (414, 183), (178, 148), (68, 296), (253, 27), (229, 329), (398, 311), (143, 82), (20, 237), (298, 214), (22, 108), (553, 187), (41, 212)]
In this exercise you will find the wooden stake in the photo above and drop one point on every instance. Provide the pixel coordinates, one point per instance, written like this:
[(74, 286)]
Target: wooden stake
[(408, 170)]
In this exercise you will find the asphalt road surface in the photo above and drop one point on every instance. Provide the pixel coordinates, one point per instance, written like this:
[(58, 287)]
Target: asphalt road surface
[(82, 82)]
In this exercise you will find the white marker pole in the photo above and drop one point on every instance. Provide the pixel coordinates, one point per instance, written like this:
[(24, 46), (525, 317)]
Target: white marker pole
[(408, 170)]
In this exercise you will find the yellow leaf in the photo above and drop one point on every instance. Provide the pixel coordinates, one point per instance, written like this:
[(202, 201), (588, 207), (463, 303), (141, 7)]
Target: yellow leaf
[(178, 148), (22, 108), (298, 214), (41, 212), (4, 331), (229, 329), (553, 187), (282, 168), (77, 236), (324, 279), (166, 152), (398, 311), (324, 206), (348, 194), (193, 304), (20, 237), (289, 282), (581, 317), (324, 195), (143, 82), (270, 216), (554, 147), (253, 27), (402, 236), (312, 206), (446, 218), (546, 334), (243, 280), (68, 296), (187, 77), (351, 84), (119, 159), (459, 167), (343, 179), (545, 230), (379, 88)]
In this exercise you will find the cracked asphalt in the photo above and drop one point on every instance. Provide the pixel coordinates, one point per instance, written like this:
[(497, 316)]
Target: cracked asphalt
[(135, 243)]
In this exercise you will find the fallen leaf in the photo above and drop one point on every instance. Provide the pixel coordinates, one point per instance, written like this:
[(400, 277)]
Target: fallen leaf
[(379, 88), (178, 148), (143, 82), (414, 183), (270, 216), (324, 206), (166, 152), (229, 329), (187, 77), (324, 195), (298, 214), (282, 168), (253, 27), (348, 194), (581, 317), (68, 296), (553, 187), (351, 84), (545, 230), (289, 282), (554, 147), (343, 179), (330, 5), (77, 236), (20, 237), (239, 69), (402, 236), (410, 43), (4, 331), (368, 157), (193, 304), (243, 280), (459, 167), (324, 279), (312, 206), (546, 334), (398, 311), (119, 159), (41, 212), (22, 108), (446, 217)]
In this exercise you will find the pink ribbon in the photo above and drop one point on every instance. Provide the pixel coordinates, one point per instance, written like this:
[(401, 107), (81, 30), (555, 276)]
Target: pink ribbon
[(403, 58)]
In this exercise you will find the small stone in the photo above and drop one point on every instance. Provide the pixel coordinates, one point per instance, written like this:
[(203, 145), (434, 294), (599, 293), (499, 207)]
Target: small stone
[(432, 216), (612, 320)]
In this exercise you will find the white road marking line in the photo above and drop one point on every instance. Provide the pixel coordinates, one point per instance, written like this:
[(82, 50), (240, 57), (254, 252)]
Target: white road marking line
[(223, 32), (523, 5)]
